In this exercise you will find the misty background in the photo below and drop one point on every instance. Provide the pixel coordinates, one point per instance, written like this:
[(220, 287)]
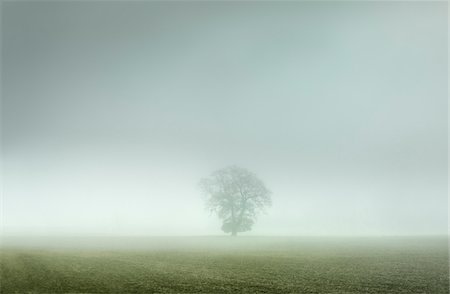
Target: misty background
[(112, 112)]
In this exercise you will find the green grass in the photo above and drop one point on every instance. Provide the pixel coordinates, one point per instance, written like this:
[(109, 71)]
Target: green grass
[(219, 264)]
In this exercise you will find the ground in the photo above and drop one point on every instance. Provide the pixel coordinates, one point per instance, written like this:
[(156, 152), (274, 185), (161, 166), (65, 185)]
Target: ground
[(224, 264)]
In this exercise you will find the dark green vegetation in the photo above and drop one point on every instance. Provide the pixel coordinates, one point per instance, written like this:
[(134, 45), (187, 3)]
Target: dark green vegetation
[(215, 264)]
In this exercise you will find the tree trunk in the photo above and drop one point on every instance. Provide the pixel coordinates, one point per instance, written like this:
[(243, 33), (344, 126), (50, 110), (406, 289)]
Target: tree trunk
[(234, 230), (233, 221)]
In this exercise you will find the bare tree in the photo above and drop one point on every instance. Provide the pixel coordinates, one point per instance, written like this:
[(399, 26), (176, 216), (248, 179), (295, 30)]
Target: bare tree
[(237, 196)]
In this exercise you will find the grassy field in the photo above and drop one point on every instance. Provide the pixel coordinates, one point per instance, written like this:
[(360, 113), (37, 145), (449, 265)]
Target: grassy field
[(223, 264)]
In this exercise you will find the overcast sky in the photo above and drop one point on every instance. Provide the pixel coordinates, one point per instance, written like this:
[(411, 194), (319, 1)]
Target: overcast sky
[(112, 113)]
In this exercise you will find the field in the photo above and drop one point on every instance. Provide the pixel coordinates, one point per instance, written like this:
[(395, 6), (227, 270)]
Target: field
[(224, 264)]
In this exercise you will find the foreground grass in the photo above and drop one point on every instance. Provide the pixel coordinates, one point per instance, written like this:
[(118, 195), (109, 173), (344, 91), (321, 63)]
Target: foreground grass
[(270, 265)]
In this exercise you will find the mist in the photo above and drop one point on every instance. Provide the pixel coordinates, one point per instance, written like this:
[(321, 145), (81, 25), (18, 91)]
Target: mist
[(113, 112)]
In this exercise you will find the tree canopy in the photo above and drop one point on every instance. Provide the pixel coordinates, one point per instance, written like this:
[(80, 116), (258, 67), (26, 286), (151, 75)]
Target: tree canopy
[(237, 196)]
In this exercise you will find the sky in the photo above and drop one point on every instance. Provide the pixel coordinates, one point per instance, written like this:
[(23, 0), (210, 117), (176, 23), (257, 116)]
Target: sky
[(112, 112)]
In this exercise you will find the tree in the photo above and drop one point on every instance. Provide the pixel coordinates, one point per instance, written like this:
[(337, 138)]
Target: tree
[(237, 196)]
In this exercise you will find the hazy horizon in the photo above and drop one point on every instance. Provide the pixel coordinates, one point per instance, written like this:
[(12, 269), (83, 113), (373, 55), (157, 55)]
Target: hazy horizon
[(112, 112)]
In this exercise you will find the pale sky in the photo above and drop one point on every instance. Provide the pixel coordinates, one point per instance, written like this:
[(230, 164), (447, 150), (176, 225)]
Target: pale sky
[(113, 111)]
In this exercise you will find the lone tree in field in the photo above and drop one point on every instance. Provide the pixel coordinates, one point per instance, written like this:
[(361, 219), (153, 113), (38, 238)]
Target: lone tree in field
[(237, 196)]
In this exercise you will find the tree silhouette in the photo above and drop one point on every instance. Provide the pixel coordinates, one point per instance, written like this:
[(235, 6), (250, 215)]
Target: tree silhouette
[(237, 196)]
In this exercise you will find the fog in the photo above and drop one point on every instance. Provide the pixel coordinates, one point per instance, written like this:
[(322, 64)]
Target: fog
[(112, 112)]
